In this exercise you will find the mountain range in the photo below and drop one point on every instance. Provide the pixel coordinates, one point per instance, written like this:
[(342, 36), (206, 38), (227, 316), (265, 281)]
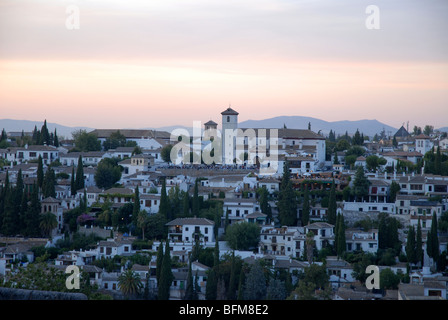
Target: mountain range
[(367, 127)]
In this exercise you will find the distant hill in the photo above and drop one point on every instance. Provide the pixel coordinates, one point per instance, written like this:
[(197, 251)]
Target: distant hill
[(11, 125), (367, 127), (444, 129)]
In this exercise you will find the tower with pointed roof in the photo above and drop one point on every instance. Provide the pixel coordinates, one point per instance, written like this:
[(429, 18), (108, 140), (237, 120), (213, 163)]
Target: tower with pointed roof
[(229, 122)]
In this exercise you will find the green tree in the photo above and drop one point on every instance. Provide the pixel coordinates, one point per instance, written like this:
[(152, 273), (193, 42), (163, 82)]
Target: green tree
[(306, 208), (265, 207), (432, 244), (186, 204), (211, 286), (159, 261), (48, 186), (195, 205), (276, 290), (388, 279), (40, 172), (243, 236), (332, 205), (255, 285), (373, 162), (166, 275), (165, 206), (287, 205), (360, 184), (394, 190), (411, 246), (107, 173), (129, 283), (314, 285), (32, 214), (136, 205), (47, 223), (79, 180), (419, 244), (72, 183), (86, 141), (341, 242), (115, 140), (165, 153)]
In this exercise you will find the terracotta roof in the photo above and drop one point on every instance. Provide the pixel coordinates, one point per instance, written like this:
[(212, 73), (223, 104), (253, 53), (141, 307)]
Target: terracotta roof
[(422, 136)]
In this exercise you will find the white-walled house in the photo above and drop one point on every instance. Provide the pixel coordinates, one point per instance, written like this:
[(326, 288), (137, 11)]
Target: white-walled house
[(369, 207), (91, 158), (112, 247), (187, 230), (323, 234), (150, 202), (357, 240), (27, 153), (238, 208)]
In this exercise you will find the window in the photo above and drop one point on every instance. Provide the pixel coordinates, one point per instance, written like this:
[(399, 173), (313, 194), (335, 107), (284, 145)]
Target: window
[(206, 230), (228, 118)]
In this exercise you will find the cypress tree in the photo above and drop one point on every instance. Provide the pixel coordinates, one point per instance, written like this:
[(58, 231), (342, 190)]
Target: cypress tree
[(40, 172), (341, 247), (287, 205), (419, 244), (165, 205), (306, 207), (159, 261), (55, 139), (189, 295), (79, 180), (166, 275), (195, 207), (186, 204), (23, 210), (32, 214), (231, 292), (9, 223), (332, 205), (264, 204), (136, 206), (433, 240), (411, 246), (211, 286), (241, 285), (48, 186), (72, 183)]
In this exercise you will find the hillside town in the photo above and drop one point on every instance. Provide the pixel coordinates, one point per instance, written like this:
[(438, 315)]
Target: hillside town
[(287, 214)]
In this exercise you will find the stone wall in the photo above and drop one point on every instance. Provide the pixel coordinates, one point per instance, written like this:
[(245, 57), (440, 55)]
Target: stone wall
[(22, 294)]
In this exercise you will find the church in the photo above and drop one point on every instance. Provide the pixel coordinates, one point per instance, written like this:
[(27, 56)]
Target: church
[(303, 149)]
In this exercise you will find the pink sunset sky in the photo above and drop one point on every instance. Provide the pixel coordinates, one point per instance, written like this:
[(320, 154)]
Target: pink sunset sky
[(145, 63)]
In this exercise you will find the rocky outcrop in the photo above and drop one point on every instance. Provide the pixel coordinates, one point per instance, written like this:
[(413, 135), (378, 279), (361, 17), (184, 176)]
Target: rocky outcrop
[(23, 294)]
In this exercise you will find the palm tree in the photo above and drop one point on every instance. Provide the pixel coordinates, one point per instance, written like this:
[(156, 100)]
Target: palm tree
[(129, 283), (47, 223), (142, 220)]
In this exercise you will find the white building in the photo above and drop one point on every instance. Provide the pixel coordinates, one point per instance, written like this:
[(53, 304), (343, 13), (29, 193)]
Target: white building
[(188, 230)]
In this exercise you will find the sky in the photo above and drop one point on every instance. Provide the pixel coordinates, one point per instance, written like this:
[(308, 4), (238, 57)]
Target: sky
[(148, 63)]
